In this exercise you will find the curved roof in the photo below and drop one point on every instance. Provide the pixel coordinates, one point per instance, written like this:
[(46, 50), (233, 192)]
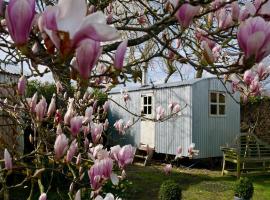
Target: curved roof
[(157, 86)]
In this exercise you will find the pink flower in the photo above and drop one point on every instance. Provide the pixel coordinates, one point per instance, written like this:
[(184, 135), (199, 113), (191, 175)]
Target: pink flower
[(52, 106), (254, 38), (263, 9), (78, 195), (262, 71), (96, 132), (160, 113), (69, 16), (8, 160), (207, 53), (43, 196), (72, 150), (33, 102), (124, 155), (60, 146), (224, 19), (101, 170), (142, 19), (87, 54), (119, 126), (255, 87), (120, 55), (41, 108), (186, 13), (106, 125), (59, 87), (88, 115), (168, 169), (78, 160), (75, 125), (248, 11), (22, 85), (19, 18), (106, 106), (59, 129), (235, 11), (70, 112), (179, 152), (248, 77)]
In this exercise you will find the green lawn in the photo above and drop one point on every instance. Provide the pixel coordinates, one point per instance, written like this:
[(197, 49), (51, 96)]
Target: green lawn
[(198, 184)]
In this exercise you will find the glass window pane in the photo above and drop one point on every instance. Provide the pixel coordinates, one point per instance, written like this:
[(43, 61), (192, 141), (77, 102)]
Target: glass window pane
[(221, 98), (145, 110), (213, 97), (145, 100), (222, 109), (213, 109), (149, 110), (149, 100)]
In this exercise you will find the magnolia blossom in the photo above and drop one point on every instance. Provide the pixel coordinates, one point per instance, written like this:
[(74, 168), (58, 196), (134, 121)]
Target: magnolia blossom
[(160, 113), (263, 6), (124, 155), (262, 71), (69, 16), (60, 146), (248, 77), (186, 13), (120, 55), (59, 129), (19, 18), (72, 150), (255, 87), (70, 111), (33, 102), (8, 160), (167, 169), (224, 19), (75, 125), (22, 85), (249, 10), (106, 125), (87, 55), (96, 132), (254, 38), (235, 10), (106, 106), (59, 87), (88, 115), (101, 170), (40, 109), (43, 196), (119, 126), (52, 106)]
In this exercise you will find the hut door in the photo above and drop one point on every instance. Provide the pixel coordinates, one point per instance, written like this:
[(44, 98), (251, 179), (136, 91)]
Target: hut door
[(147, 126)]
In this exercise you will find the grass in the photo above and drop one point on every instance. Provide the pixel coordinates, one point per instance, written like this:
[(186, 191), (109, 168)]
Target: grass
[(197, 184)]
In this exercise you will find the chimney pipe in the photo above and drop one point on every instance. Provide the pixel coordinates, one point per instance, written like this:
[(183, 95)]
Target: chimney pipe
[(144, 76)]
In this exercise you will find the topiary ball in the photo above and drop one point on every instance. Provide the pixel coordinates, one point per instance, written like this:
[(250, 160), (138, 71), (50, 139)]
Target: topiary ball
[(244, 188), (169, 190)]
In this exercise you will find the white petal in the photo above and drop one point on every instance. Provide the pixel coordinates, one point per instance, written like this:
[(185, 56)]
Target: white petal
[(114, 179), (71, 15)]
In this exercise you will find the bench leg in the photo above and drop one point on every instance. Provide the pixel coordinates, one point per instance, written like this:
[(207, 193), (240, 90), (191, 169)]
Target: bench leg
[(238, 171), (223, 165)]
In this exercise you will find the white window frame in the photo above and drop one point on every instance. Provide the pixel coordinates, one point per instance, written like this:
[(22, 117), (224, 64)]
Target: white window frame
[(147, 105), (218, 104)]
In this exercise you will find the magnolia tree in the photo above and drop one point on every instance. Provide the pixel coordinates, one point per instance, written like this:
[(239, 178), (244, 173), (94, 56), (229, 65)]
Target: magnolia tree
[(100, 44)]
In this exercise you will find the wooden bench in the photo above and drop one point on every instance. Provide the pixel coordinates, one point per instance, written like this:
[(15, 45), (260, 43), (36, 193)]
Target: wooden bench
[(247, 149)]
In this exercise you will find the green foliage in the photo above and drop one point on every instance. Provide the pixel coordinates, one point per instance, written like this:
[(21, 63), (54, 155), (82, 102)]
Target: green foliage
[(45, 89), (244, 188), (100, 96), (169, 190), (119, 190)]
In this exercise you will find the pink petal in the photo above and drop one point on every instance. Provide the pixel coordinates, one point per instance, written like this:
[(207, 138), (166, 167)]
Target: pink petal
[(254, 43), (120, 55)]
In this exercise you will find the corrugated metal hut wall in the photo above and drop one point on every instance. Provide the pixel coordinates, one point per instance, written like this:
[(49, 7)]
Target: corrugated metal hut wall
[(175, 131), (210, 132), (132, 135)]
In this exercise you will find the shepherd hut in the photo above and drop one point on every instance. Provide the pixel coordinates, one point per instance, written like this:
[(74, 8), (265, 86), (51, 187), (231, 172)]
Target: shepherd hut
[(210, 116)]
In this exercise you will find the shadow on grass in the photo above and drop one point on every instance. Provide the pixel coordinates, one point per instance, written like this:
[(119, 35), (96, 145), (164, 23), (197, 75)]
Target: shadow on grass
[(147, 180)]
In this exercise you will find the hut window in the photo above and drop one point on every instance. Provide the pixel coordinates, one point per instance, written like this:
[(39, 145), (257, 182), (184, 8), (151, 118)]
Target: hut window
[(217, 103), (147, 105)]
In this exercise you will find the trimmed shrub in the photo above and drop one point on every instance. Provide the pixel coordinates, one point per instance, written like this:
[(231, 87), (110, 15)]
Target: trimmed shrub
[(169, 190), (244, 188)]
